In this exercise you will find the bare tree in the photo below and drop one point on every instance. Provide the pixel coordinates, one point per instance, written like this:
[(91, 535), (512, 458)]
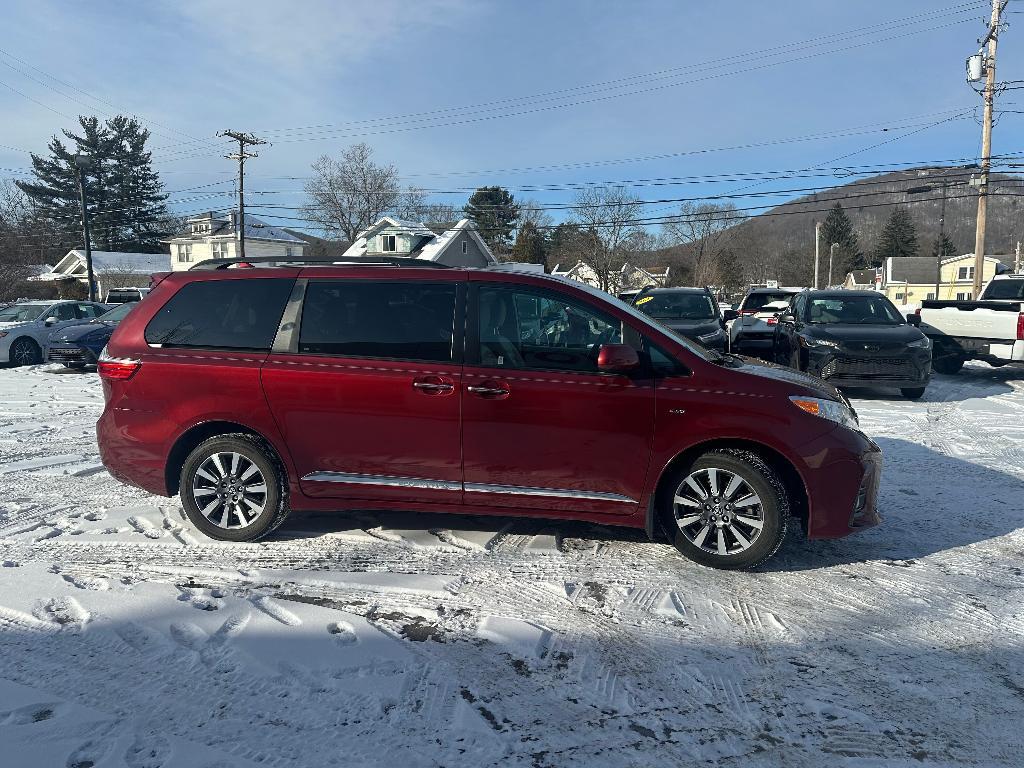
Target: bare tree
[(348, 194), (532, 212), (26, 238), (413, 205), (706, 228), (608, 217)]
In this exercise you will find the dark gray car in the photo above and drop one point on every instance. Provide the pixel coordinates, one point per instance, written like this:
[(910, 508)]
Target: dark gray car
[(690, 312)]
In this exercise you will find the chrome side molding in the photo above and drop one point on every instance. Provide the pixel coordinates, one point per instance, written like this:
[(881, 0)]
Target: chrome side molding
[(396, 481), (393, 481)]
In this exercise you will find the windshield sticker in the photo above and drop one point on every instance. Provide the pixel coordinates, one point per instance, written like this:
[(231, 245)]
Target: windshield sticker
[(644, 300)]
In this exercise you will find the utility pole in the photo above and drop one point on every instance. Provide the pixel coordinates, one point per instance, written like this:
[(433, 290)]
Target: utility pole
[(243, 139), (83, 162), (831, 257), (817, 251), (992, 39)]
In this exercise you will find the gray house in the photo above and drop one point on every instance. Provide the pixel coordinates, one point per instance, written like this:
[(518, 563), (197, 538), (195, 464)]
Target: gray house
[(458, 246)]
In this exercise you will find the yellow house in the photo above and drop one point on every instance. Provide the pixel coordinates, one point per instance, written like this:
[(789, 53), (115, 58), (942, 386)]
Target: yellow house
[(911, 279)]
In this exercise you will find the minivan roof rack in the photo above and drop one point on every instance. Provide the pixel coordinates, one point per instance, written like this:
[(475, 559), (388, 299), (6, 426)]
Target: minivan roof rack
[(326, 261)]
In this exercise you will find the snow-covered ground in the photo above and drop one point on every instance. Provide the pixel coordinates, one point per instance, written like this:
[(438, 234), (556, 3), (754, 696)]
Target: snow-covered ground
[(128, 639)]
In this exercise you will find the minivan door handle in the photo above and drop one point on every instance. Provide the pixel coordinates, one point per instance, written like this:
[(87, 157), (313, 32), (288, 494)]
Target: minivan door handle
[(433, 385), (495, 390)]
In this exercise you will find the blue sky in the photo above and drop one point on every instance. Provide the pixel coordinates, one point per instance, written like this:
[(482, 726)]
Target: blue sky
[(192, 67)]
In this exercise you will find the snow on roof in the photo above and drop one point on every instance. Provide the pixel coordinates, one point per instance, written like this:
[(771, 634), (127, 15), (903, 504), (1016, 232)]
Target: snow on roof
[(260, 230)]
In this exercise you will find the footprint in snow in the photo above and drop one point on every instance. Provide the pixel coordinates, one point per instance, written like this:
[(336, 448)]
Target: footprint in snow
[(65, 611), (34, 713), (150, 751), (87, 755), (343, 633)]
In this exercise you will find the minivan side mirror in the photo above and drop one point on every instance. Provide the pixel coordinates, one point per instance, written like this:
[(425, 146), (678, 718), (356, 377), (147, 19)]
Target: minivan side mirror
[(50, 320), (914, 320), (729, 315), (617, 358)]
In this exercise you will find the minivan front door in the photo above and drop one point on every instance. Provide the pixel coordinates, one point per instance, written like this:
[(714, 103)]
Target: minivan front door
[(367, 398), (542, 427)]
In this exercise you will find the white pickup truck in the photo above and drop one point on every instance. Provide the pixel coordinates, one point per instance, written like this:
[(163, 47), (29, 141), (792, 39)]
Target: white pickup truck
[(989, 329)]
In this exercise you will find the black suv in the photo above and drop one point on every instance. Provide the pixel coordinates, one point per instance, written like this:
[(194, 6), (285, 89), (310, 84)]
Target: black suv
[(690, 312)]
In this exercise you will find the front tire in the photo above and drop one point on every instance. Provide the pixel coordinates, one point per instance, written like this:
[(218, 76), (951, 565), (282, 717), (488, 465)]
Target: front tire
[(913, 393), (234, 488), (946, 361), (729, 509), (25, 351)]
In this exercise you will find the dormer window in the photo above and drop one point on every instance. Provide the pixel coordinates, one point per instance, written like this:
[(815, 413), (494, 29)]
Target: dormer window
[(388, 243), (465, 246)]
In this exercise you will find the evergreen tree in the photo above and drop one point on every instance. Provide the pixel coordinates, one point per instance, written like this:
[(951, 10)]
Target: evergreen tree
[(837, 228), (898, 237), (123, 192), (944, 247), (529, 247), (495, 212)]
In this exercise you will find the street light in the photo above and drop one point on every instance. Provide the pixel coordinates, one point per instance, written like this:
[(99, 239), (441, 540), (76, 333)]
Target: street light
[(83, 163)]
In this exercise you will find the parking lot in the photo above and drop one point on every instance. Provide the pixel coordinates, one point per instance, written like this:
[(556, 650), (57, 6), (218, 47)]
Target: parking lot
[(399, 639)]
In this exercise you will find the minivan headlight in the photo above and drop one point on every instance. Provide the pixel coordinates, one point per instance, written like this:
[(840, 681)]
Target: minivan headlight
[(827, 409), (923, 343)]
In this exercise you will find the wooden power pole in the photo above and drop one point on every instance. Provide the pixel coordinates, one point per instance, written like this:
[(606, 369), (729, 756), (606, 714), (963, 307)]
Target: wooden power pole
[(992, 39), (244, 140)]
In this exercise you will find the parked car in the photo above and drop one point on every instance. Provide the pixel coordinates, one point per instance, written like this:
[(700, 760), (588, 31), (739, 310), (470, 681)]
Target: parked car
[(476, 391), (990, 329), (690, 312), (79, 345), (854, 339), (122, 295), (753, 332), (26, 326)]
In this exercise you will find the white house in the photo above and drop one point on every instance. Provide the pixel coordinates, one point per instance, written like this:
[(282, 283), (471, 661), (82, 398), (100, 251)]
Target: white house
[(626, 278), (459, 246), (111, 269), (215, 236)]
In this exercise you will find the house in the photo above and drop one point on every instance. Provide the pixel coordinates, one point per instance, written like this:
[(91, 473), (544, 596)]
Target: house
[(111, 269), (459, 246), (911, 279), (863, 280), (215, 236), (625, 279)]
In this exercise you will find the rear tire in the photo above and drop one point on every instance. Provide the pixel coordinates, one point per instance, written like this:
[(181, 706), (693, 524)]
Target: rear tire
[(25, 351), (234, 499), (913, 393), (946, 361), (728, 510)]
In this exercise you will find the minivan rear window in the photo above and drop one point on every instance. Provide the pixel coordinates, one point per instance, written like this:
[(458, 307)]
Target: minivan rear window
[(758, 300), (357, 318), (223, 314)]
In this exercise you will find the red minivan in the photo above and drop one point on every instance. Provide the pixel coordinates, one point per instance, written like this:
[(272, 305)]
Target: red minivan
[(405, 385)]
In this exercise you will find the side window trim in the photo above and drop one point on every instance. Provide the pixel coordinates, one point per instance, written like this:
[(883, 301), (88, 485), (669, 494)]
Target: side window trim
[(287, 340)]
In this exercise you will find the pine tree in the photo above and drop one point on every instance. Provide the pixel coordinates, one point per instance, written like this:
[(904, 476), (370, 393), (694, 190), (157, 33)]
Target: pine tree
[(123, 192), (837, 228), (529, 246), (944, 247), (898, 237), (495, 212)]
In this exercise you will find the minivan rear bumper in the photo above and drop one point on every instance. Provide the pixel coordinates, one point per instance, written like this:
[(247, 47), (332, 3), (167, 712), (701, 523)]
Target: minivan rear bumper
[(842, 472)]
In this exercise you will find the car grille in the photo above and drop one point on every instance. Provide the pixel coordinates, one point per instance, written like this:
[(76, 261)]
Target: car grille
[(877, 368), (67, 355)]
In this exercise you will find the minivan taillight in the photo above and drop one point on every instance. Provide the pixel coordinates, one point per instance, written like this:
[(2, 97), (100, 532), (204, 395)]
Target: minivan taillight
[(116, 368), (1020, 327)]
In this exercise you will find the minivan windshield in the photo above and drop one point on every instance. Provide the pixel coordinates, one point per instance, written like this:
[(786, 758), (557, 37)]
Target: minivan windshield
[(1005, 289), (859, 310), (677, 306), (22, 313)]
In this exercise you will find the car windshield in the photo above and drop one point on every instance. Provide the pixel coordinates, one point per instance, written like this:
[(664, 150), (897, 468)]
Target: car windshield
[(1005, 289), (22, 313), (116, 315), (755, 301), (677, 306), (857, 310)]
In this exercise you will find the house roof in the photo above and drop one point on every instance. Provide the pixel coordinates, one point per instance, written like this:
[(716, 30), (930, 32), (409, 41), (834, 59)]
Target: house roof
[(864, 276), (255, 229), (112, 262), (920, 270), (431, 247)]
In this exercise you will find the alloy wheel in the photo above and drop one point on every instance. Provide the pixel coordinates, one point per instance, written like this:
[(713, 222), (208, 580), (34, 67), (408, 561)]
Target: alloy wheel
[(718, 511), (23, 353), (229, 490)]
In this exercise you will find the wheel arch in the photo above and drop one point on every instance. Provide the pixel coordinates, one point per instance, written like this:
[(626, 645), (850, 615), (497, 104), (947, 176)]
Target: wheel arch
[(787, 471), (192, 437)]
